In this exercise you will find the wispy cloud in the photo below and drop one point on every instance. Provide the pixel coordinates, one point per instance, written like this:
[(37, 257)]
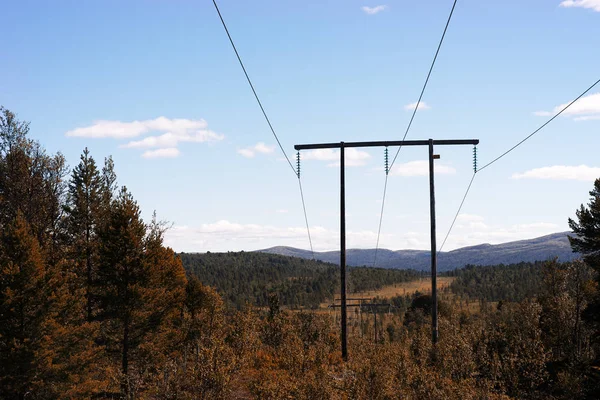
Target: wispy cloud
[(422, 106), (420, 168), (561, 172), (125, 130), (259, 148), (175, 131), (169, 152), (353, 157), (172, 140), (593, 4), (472, 229), (374, 10), (586, 108)]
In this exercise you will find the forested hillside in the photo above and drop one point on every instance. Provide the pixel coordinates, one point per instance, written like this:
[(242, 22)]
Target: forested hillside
[(250, 277), (514, 282)]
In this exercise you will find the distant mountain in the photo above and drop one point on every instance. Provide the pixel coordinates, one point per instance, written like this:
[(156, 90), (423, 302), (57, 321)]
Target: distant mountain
[(538, 249)]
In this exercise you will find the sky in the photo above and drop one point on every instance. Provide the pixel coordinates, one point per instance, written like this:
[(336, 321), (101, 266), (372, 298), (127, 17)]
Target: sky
[(155, 84)]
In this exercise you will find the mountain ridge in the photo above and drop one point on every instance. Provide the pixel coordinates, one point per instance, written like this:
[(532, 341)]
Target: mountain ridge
[(528, 250)]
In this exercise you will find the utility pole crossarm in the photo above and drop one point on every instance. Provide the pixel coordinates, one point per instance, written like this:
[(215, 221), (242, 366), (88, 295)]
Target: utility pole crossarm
[(390, 143)]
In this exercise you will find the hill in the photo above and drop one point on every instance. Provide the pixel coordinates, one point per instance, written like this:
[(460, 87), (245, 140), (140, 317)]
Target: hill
[(251, 277), (531, 250)]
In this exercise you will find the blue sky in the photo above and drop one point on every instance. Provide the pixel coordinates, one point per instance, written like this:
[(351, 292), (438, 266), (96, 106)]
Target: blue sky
[(156, 85)]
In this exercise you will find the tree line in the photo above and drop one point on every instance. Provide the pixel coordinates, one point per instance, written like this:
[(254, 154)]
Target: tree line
[(91, 301), (250, 277), (513, 282)]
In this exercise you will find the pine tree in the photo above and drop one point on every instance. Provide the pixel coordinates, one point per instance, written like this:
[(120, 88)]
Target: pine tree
[(141, 288), (83, 210), (587, 229), (24, 309), (587, 242), (121, 279)]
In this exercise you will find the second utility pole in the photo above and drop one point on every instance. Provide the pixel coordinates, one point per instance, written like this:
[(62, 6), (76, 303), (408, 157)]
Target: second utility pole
[(343, 253), (432, 156)]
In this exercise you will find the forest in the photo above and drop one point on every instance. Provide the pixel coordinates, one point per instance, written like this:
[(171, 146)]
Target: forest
[(93, 305), (249, 277)]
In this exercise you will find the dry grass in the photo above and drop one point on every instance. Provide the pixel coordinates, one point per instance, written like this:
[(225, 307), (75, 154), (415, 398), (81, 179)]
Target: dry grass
[(400, 289)]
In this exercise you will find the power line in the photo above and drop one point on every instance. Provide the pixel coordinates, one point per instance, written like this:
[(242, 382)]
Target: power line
[(437, 52), (252, 87), (426, 81), (380, 220), (541, 127), (458, 211), (306, 218), (508, 151), (296, 172)]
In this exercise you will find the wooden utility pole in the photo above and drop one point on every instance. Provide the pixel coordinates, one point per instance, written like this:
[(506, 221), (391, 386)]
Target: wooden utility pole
[(434, 316), (342, 145), (343, 253)]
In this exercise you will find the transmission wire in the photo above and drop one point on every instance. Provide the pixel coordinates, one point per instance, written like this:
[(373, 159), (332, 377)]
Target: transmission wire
[(306, 218), (458, 211), (426, 81), (410, 124), (252, 87), (380, 220), (297, 173), (541, 127), (508, 151)]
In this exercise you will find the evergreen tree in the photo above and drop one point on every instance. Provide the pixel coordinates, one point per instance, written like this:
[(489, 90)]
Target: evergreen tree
[(141, 288), (587, 229), (121, 279), (83, 210), (24, 309), (587, 242)]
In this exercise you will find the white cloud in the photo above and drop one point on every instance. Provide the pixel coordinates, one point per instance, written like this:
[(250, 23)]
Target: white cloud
[(172, 140), (169, 152), (586, 108), (124, 130), (353, 157), (175, 131), (588, 118), (422, 106), (282, 211), (469, 218), (593, 4), (561, 172), (246, 153), (225, 235), (420, 168), (260, 147), (374, 10), (472, 230)]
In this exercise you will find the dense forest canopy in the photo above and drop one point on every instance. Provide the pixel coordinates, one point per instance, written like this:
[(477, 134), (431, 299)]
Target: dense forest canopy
[(514, 282), (93, 305), (250, 277)]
